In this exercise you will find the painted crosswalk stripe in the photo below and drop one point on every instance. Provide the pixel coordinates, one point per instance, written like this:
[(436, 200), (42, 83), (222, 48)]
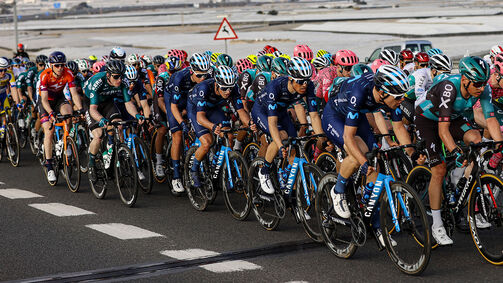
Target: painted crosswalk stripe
[(123, 231), (13, 193), (219, 267), (59, 209)]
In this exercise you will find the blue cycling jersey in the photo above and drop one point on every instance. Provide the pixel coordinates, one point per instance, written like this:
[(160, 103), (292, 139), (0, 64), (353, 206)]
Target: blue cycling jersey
[(355, 96), (178, 88), (203, 98)]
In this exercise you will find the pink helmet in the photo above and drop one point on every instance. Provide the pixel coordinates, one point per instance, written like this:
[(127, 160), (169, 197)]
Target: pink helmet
[(496, 49), (179, 54), (498, 57), (97, 66), (303, 51), (498, 67), (171, 52), (162, 69), (345, 57), (378, 63), (243, 64)]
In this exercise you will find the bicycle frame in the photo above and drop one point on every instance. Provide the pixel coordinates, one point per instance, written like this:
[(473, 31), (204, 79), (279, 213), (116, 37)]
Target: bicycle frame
[(63, 125), (129, 140)]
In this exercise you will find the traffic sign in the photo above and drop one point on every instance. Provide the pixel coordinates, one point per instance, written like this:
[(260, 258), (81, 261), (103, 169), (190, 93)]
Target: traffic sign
[(225, 31)]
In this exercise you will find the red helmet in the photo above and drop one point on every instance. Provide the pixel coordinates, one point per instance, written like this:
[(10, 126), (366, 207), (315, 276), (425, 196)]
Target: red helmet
[(406, 54), (422, 57), (346, 57), (185, 55), (303, 51), (20, 46)]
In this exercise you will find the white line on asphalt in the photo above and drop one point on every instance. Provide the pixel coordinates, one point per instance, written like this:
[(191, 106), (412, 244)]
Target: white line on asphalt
[(219, 267), (18, 194), (123, 231), (2, 183), (60, 209)]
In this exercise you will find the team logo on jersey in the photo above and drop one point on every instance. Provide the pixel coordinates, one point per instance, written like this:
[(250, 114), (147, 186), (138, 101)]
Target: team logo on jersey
[(176, 96), (352, 116), (201, 103), (272, 106)]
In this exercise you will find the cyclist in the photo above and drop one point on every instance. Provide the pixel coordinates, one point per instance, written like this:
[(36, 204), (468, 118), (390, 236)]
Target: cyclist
[(344, 61), (421, 60), (270, 111), (20, 52), (262, 77), (136, 61), (84, 68), (52, 101), (204, 109), (137, 93), (177, 94), (406, 61), (441, 118), (101, 90)]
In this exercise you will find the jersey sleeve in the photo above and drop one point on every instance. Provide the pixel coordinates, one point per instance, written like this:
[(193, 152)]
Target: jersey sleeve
[(236, 99), (411, 94), (396, 115), (420, 83), (446, 93), (312, 103), (125, 92), (201, 94), (270, 97), (174, 89), (355, 100), (91, 92), (43, 81), (485, 102), (244, 82), (69, 79)]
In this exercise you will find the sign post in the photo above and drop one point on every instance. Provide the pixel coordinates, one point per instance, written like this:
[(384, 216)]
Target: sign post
[(224, 32)]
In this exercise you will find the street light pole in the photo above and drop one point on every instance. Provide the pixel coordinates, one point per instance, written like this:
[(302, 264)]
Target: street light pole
[(15, 24)]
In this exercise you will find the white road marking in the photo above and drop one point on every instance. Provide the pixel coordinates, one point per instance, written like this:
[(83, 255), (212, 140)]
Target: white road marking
[(60, 209), (18, 194), (123, 231), (2, 183), (219, 267)]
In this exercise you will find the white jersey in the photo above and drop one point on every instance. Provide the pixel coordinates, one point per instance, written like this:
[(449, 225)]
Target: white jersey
[(409, 68), (423, 81)]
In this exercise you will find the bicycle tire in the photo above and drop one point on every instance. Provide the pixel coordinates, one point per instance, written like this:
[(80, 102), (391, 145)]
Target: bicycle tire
[(336, 236), (31, 138), (487, 241), (327, 162), (237, 201), (71, 166), (22, 136), (12, 142), (307, 212), (400, 166), (82, 141), (417, 226), (99, 187), (197, 196), (250, 152), (126, 176), (144, 165)]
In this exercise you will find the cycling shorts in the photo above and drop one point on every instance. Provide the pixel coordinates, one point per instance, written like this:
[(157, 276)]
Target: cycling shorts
[(55, 105), (285, 123), (173, 124)]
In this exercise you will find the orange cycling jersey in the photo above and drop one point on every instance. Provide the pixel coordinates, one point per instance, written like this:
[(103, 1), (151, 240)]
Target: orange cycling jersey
[(53, 85), (151, 77)]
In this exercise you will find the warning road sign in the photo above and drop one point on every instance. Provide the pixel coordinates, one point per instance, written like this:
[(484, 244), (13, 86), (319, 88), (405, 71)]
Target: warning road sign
[(225, 31)]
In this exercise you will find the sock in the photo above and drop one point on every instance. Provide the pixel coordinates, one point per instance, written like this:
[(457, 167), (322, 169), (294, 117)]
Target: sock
[(158, 157), (48, 164), (176, 169), (340, 187), (437, 218), (92, 159), (195, 165), (266, 169)]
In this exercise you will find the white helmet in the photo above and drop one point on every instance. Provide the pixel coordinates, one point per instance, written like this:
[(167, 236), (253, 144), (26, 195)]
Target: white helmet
[(83, 65), (495, 50), (133, 58), (299, 68), (131, 73), (4, 62), (389, 55), (441, 62), (117, 53)]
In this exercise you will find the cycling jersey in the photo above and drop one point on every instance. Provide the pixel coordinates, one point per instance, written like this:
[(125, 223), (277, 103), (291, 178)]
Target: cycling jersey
[(409, 68), (139, 89), (144, 76), (99, 91), (259, 83), (161, 84), (53, 85), (324, 80), (31, 76), (80, 80), (245, 80), (422, 80), (334, 88), (21, 82), (179, 85), (6, 81)]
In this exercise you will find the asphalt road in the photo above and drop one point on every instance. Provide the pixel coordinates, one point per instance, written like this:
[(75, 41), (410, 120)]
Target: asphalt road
[(168, 240)]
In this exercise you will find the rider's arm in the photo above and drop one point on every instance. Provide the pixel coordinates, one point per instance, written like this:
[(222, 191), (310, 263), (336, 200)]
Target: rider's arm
[(76, 97), (316, 122), (45, 101), (95, 114), (381, 125), (131, 108), (494, 129), (301, 113), (146, 108), (445, 135)]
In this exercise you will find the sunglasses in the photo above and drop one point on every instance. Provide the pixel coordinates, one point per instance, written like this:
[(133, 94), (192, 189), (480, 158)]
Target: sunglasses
[(301, 82), (116, 77), (85, 71), (479, 84), (225, 88), (41, 64), (2, 70), (201, 75), (347, 68), (394, 96), (58, 65)]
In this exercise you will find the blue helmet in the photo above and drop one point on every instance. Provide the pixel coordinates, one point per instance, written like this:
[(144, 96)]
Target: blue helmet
[(173, 63), (57, 57), (434, 51), (225, 76)]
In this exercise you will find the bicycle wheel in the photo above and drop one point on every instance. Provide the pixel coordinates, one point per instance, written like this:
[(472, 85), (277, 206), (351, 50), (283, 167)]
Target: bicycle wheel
[(327, 162), (197, 196), (99, 187), (21, 133), (237, 201), (486, 205), (126, 176), (32, 136), (309, 148), (336, 233), (12, 143), (400, 166), (408, 255), (82, 141), (306, 199), (250, 152), (39, 144), (71, 165), (263, 206), (144, 165)]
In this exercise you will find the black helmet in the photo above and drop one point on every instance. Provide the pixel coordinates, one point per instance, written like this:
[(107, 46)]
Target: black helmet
[(115, 67), (158, 60), (73, 66), (57, 57), (41, 59), (117, 53), (29, 65)]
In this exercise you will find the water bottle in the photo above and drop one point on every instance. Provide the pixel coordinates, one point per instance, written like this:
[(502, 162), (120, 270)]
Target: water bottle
[(456, 175), (215, 158), (367, 192), (59, 147), (281, 177)]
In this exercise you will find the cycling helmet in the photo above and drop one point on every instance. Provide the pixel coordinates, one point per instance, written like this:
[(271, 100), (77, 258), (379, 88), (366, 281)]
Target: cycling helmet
[(143, 65), (264, 63), (20, 46), (422, 57), (97, 66), (117, 53), (105, 58), (132, 58), (260, 53), (184, 55), (277, 53), (41, 59), (84, 65), (158, 60), (57, 57), (4, 62), (392, 80), (280, 66), (321, 52), (321, 62), (498, 57), (214, 57), (225, 76), (93, 58), (360, 69), (441, 62), (199, 63), (345, 58), (270, 49), (243, 64), (299, 68), (303, 51), (224, 60), (131, 73), (389, 55), (496, 49), (16, 61), (270, 55), (498, 67), (434, 51), (285, 56), (73, 66), (252, 58), (378, 63), (29, 65), (173, 63), (406, 55), (474, 68), (115, 67), (147, 59), (171, 52)]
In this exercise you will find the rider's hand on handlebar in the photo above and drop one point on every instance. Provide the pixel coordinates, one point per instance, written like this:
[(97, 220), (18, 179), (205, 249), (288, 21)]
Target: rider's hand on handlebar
[(252, 126), (52, 117), (217, 129), (103, 122), (140, 118), (284, 151)]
